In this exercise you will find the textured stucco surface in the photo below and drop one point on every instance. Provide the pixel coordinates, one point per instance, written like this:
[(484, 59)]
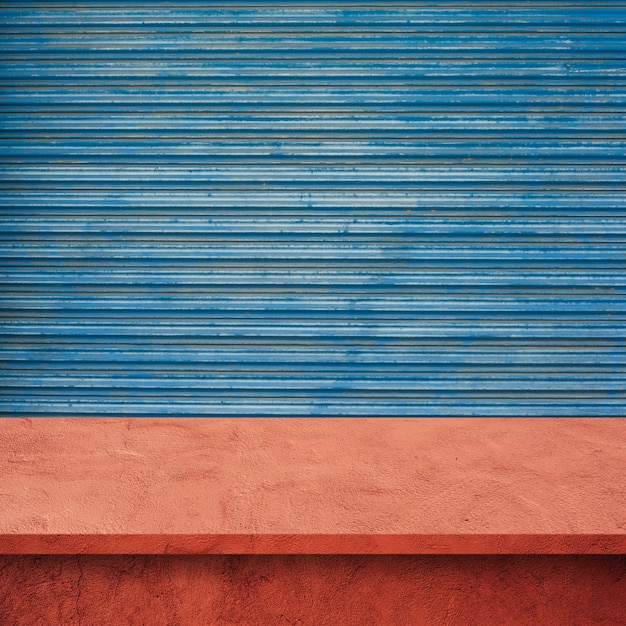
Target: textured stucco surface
[(316, 476), (313, 590), (99, 480)]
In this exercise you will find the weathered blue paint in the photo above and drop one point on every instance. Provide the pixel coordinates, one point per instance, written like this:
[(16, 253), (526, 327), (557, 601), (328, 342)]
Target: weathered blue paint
[(322, 208)]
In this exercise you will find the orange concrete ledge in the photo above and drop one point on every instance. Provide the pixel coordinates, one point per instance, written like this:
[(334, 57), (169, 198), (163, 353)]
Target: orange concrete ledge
[(313, 486), (313, 544)]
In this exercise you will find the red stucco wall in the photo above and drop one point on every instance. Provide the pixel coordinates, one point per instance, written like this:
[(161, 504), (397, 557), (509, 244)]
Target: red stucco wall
[(545, 590)]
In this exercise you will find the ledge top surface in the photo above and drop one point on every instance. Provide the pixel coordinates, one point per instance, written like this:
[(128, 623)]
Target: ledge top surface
[(254, 485)]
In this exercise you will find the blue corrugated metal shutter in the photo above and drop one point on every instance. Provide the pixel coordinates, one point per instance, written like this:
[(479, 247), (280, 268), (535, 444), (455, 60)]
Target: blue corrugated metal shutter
[(321, 208)]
